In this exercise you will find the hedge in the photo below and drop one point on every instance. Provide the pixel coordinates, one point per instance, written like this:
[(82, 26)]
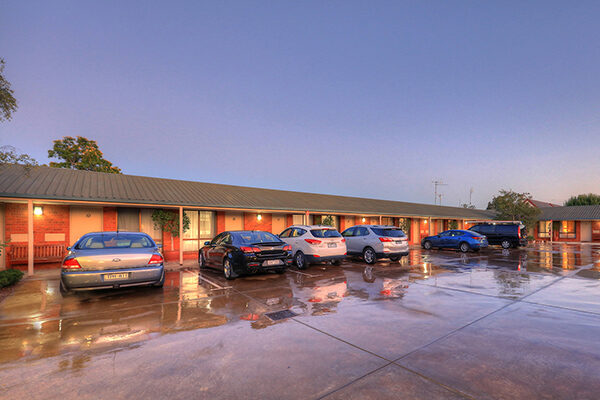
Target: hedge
[(10, 277)]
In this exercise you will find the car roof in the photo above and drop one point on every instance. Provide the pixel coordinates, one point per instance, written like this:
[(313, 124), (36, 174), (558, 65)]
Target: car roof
[(378, 226), (312, 227)]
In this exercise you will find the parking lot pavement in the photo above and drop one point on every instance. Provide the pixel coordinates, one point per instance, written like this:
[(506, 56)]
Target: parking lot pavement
[(440, 324)]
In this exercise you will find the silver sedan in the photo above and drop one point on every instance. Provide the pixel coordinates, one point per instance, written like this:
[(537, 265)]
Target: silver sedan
[(104, 260)]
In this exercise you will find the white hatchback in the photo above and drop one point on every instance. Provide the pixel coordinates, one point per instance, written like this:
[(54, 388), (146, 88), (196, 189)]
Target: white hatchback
[(314, 243)]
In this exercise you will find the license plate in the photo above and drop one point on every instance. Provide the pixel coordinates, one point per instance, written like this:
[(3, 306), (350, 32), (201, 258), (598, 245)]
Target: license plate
[(113, 277), (272, 262), (331, 244)]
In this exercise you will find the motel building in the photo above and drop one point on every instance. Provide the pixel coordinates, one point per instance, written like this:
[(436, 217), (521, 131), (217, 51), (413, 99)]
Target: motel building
[(44, 210), (569, 224)]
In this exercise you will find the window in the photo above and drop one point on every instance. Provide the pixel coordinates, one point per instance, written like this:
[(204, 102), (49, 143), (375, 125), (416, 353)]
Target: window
[(201, 227), (390, 232), (128, 219), (567, 230), (285, 233), (325, 233), (387, 221), (544, 228), (115, 241), (147, 225), (361, 231), (257, 238), (298, 219), (297, 232), (349, 232)]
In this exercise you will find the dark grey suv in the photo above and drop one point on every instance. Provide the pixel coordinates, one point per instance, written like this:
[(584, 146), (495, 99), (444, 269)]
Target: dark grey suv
[(506, 235)]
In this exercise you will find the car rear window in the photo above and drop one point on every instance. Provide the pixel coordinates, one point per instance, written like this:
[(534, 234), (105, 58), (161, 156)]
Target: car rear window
[(257, 238), (325, 233), (115, 241), (388, 232)]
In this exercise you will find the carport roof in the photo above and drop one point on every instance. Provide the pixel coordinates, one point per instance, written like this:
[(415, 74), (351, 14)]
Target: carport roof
[(571, 213), (47, 183)]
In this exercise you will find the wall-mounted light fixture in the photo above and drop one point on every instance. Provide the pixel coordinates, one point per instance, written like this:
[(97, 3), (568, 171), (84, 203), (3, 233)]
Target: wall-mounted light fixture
[(259, 217), (364, 220), (38, 210), (425, 221)]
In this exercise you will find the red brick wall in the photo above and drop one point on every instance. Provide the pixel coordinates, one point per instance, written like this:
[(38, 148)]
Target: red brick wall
[(253, 224), (55, 219), (109, 219)]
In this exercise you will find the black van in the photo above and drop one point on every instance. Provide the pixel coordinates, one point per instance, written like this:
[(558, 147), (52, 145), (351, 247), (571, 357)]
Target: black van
[(505, 234)]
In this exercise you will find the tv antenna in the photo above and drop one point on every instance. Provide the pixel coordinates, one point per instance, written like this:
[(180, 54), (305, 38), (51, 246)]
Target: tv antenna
[(470, 195), (437, 183)]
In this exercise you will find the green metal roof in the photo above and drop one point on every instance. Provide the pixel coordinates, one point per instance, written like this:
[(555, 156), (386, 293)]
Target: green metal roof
[(65, 184), (571, 213)]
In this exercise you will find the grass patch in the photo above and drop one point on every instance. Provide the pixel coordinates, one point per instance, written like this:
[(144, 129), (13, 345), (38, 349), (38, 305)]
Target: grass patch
[(9, 277)]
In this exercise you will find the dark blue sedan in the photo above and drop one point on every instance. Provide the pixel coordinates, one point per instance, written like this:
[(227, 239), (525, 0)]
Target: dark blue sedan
[(456, 239)]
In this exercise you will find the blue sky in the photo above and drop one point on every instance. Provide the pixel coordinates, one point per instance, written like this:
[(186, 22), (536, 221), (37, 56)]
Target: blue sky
[(372, 99)]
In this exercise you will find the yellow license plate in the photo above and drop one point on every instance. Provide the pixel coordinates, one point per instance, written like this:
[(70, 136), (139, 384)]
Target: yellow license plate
[(113, 277)]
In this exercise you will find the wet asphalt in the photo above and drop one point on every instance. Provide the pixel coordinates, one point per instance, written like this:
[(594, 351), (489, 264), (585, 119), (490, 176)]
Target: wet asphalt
[(512, 324)]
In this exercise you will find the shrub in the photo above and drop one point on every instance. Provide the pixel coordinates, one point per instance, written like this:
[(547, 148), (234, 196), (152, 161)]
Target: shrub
[(10, 277)]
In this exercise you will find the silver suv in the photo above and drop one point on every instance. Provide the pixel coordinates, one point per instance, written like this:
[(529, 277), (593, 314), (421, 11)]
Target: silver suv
[(376, 241)]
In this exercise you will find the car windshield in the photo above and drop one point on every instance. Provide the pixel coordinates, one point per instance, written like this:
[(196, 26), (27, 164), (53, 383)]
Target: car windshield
[(257, 237), (115, 241), (325, 233), (388, 232)]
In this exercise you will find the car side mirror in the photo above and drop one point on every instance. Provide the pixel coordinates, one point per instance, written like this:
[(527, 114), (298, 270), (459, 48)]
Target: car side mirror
[(160, 246), (207, 243), (438, 235), (69, 248)]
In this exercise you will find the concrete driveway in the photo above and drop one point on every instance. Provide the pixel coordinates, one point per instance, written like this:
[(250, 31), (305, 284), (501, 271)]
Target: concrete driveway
[(516, 324)]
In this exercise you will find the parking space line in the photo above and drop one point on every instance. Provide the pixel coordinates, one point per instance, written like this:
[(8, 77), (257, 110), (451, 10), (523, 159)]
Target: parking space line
[(303, 273), (212, 283)]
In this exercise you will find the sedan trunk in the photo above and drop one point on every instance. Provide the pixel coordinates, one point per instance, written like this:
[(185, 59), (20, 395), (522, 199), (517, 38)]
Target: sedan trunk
[(107, 259)]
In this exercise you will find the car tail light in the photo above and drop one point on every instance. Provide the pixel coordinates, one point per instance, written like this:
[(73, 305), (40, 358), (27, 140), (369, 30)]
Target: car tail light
[(385, 239), (343, 240), (313, 241), (252, 249), (156, 259), (287, 248), (71, 263)]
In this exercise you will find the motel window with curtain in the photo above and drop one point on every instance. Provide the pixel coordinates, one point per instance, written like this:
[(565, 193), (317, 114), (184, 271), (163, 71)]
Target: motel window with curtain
[(567, 230), (128, 219), (202, 228), (544, 229), (147, 225)]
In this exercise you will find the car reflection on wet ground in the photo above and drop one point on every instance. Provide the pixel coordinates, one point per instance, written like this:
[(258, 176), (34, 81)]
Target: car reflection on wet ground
[(441, 324)]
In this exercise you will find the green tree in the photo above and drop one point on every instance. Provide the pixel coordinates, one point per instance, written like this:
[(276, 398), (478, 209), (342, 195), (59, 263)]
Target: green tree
[(9, 155), (8, 103), (513, 206), (327, 220), (453, 224), (589, 199), (80, 153)]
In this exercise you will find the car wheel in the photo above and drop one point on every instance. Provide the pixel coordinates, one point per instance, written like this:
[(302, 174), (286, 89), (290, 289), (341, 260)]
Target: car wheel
[(427, 245), (394, 258), (464, 247), (228, 269), (201, 261), (300, 260), (336, 262), (506, 244), (369, 255)]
